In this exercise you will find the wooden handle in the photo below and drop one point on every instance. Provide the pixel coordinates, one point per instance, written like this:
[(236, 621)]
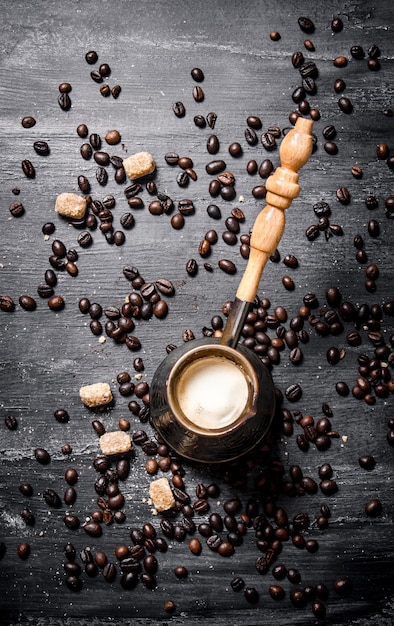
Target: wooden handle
[(282, 188)]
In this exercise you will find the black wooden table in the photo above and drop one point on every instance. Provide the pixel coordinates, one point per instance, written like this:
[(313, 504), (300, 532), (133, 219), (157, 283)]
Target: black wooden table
[(47, 355)]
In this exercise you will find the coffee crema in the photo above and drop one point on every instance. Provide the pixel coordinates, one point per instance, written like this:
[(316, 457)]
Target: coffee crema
[(212, 392)]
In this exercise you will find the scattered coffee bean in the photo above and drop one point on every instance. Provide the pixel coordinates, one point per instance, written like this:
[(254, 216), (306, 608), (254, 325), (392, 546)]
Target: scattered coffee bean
[(64, 101), (373, 508), (28, 169), (23, 550), (343, 586), (306, 24)]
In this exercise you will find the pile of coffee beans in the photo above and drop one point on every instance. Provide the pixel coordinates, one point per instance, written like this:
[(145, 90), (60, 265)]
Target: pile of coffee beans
[(200, 520)]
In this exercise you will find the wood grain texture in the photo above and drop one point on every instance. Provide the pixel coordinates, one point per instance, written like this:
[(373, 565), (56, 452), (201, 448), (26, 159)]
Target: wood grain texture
[(45, 357)]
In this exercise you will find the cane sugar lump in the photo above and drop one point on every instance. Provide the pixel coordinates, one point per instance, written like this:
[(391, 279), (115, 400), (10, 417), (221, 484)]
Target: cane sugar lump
[(70, 205), (139, 164), (161, 495), (116, 442), (97, 394)]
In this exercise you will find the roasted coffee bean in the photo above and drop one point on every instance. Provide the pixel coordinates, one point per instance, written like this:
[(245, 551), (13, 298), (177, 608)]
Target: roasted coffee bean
[(367, 462), (293, 392), (91, 57), (64, 101), (227, 266), (373, 228), (345, 105), (288, 283), (371, 202), (192, 267), (266, 168), (329, 132), (41, 148), (86, 151), (65, 87), (340, 61), (331, 147), (235, 149), (214, 212), (186, 207), (93, 529), (254, 122), (43, 290), (132, 190), (297, 59), (268, 141), (276, 592), (11, 422), (16, 209), (28, 169), (227, 191), (251, 136), (101, 157), (343, 586), (96, 76), (213, 144), (28, 121), (298, 95), (101, 176), (95, 141), (182, 179), (179, 109), (61, 416), (42, 456), (336, 24), (226, 178), (214, 188), (82, 130), (306, 24), (328, 487), (197, 74), (51, 498), (105, 90), (70, 495), (259, 191), (309, 85), (290, 261), (357, 52), (71, 476), (56, 303), (343, 195), (198, 93), (213, 542), (127, 221), (85, 239), (165, 286), (373, 508), (309, 45), (215, 167), (304, 106), (26, 489), (308, 70), (6, 303), (23, 550)]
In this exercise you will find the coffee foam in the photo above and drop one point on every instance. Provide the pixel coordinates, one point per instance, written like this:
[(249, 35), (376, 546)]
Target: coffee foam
[(212, 392)]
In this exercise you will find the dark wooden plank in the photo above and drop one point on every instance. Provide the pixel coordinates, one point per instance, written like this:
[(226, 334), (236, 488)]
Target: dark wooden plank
[(47, 356)]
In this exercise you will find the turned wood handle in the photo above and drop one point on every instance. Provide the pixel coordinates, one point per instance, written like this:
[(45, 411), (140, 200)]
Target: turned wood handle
[(282, 188)]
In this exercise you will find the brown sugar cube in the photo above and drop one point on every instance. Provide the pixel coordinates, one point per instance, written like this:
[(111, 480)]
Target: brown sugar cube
[(97, 394), (139, 164), (161, 495), (115, 442), (70, 205)]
